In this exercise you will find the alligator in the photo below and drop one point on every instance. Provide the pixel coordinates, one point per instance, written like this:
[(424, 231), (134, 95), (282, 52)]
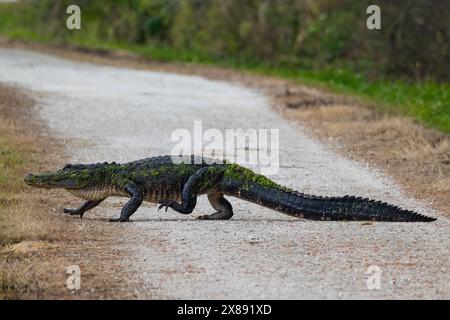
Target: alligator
[(175, 183)]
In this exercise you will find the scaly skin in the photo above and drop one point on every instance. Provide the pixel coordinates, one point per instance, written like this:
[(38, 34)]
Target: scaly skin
[(177, 185)]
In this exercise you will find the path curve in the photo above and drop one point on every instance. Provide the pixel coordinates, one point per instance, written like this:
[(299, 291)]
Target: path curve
[(107, 113)]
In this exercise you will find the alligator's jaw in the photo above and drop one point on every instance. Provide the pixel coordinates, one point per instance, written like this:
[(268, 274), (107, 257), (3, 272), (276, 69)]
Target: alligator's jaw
[(50, 181), (37, 181), (98, 192)]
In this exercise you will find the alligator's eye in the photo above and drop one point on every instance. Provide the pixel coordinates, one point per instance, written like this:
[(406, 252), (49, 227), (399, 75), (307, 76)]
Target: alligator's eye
[(67, 166)]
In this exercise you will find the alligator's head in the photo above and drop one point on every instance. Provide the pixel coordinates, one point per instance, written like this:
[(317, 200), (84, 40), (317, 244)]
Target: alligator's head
[(70, 177)]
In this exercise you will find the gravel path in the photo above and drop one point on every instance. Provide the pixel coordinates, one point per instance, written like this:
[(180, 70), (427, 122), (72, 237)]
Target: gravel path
[(106, 113)]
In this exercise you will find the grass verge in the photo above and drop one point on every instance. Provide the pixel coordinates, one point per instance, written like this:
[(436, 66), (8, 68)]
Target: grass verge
[(15, 146), (21, 230)]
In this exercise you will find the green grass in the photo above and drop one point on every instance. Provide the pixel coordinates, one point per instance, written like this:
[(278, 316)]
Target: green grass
[(426, 102)]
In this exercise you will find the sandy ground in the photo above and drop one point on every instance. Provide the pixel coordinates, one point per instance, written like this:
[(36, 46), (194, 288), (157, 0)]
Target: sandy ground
[(415, 157), (105, 113)]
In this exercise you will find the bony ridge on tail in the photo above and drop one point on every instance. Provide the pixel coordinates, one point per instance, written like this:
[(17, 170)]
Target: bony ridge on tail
[(176, 185)]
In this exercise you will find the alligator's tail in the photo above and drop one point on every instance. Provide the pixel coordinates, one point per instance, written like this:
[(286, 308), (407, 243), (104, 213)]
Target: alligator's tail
[(324, 208)]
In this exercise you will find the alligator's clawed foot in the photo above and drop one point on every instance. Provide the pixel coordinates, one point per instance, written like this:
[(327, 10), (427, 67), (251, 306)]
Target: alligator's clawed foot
[(220, 215), (167, 204), (74, 212), (119, 220)]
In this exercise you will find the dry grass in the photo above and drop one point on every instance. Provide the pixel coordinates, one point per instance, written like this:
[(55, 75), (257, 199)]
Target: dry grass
[(19, 222), (15, 146)]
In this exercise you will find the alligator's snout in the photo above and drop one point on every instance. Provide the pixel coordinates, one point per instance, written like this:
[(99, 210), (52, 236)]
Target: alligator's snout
[(34, 180), (30, 179)]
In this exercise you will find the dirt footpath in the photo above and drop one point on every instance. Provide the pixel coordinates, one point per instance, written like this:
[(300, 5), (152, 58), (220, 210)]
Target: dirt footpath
[(104, 113), (417, 158)]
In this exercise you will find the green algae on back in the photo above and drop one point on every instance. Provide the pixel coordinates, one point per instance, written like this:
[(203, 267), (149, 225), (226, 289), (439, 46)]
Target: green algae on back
[(247, 176)]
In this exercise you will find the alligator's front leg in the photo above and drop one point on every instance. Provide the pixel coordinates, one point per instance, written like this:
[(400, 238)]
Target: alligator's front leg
[(85, 206), (204, 179), (133, 204)]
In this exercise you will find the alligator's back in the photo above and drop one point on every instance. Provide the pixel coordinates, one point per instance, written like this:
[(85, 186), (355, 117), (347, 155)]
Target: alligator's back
[(162, 177)]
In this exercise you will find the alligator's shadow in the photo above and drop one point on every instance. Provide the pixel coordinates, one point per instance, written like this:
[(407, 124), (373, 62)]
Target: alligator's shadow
[(103, 219)]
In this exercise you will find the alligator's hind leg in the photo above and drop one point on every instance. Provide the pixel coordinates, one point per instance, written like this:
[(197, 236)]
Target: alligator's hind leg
[(223, 207), (204, 179), (85, 206)]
